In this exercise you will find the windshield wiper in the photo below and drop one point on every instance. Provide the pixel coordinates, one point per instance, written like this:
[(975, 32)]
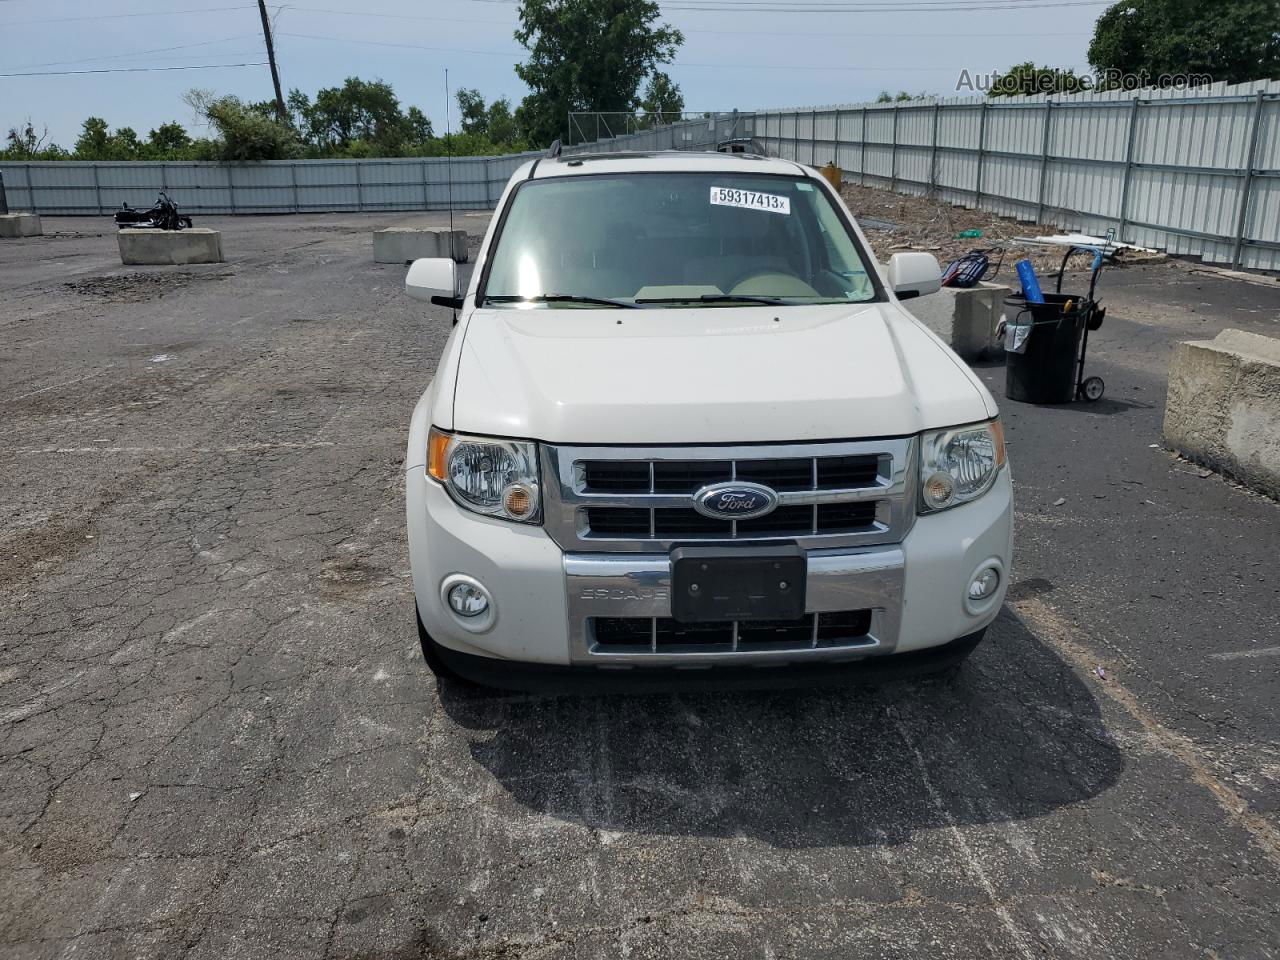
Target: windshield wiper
[(717, 298), (563, 298)]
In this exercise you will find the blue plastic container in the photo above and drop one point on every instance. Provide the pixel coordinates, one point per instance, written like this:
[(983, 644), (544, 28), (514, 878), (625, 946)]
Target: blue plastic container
[(1030, 283)]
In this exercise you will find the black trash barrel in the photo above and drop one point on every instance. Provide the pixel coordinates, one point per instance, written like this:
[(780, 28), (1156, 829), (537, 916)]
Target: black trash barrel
[(1046, 372)]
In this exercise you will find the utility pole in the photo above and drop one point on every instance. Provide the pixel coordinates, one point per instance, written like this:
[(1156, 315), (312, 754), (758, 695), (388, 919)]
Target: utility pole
[(271, 57)]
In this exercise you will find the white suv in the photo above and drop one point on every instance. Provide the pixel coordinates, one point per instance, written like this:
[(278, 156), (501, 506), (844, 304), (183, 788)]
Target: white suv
[(683, 421)]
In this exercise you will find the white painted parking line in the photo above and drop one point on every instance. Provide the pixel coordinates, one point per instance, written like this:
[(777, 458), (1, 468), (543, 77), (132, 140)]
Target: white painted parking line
[(65, 383), (1241, 654)]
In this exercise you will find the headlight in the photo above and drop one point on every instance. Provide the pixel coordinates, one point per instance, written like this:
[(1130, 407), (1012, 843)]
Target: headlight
[(497, 478), (959, 464)]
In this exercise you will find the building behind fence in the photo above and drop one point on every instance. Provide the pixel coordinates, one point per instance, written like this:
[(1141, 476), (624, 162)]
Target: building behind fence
[(1191, 172)]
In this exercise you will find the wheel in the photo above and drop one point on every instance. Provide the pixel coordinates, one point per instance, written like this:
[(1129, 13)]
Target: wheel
[(1092, 389)]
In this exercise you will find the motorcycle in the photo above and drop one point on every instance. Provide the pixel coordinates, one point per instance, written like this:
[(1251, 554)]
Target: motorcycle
[(163, 215)]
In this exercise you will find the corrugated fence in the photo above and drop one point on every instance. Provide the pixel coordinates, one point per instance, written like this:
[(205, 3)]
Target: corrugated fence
[(275, 186), (1193, 172)]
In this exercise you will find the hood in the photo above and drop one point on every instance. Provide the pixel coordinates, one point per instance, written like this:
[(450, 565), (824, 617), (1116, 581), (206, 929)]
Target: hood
[(709, 375)]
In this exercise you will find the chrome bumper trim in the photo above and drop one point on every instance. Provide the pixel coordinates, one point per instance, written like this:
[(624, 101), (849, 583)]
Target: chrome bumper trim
[(625, 585)]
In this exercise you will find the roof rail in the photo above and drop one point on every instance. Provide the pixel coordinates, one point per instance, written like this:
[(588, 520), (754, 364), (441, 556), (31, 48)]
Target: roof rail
[(553, 151)]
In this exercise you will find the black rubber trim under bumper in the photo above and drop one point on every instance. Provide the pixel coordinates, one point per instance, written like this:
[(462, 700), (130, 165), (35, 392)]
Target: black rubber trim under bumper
[(544, 678)]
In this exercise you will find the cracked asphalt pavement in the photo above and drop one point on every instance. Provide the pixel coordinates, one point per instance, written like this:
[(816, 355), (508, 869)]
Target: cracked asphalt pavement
[(218, 740)]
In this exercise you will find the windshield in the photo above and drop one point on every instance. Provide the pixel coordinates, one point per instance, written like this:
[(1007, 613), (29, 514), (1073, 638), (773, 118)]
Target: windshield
[(671, 239)]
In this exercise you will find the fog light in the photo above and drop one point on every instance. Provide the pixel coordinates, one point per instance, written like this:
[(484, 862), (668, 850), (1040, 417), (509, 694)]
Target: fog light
[(468, 599), (985, 584)]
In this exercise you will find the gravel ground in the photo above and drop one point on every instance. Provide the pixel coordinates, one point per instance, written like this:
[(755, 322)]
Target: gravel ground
[(931, 225), (217, 738)]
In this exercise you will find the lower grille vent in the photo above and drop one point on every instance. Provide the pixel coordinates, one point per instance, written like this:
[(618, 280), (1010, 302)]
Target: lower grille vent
[(665, 635)]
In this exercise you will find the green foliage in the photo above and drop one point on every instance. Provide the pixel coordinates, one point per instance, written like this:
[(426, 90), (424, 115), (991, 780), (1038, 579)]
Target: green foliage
[(361, 111), (900, 97), (1231, 41), (419, 126), (662, 101), (494, 122), (23, 143), (472, 115), (359, 119), (169, 141), (1026, 79), (244, 133), (587, 55)]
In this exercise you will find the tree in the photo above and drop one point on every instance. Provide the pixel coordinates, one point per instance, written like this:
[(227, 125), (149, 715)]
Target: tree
[(587, 55), (94, 140), (126, 145), (23, 143), (169, 141), (1232, 42), (473, 117), (662, 101), (501, 126), (366, 111), (419, 125), (1026, 79), (493, 122), (900, 97), (244, 134)]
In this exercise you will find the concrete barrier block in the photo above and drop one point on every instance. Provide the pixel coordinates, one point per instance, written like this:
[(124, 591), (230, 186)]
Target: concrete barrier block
[(965, 319), (402, 244), (1223, 408), (152, 247), (14, 225)]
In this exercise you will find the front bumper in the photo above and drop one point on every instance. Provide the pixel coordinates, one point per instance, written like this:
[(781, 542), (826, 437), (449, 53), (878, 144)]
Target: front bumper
[(543, 598)]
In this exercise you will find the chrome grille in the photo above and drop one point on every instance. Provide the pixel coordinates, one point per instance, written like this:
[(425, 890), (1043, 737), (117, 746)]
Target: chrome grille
[(619, 499)]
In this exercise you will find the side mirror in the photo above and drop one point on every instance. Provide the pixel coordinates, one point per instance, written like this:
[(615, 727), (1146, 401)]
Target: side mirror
[(434, 279), (914, 274)]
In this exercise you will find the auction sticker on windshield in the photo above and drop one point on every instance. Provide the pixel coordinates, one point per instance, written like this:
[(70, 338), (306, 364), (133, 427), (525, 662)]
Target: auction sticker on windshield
[(750, 200)]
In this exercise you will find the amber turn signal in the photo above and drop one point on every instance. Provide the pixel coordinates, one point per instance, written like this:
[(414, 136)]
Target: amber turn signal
[(997, 434), (437, 447)]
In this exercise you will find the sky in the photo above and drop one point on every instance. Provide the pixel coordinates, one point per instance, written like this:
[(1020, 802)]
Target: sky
[(735, 55)]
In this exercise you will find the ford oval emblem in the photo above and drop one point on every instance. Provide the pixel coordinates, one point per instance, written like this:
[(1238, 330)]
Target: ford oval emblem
[(735, 501)]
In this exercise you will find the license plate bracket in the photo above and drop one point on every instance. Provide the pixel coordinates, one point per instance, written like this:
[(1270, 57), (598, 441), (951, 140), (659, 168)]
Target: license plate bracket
[(741, 583)]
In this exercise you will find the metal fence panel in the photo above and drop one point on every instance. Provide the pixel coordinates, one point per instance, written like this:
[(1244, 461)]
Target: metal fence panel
[(277, 186), (1194, 172)]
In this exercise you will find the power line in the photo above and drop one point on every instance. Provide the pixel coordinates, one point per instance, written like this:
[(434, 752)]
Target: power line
[(862, 6), (121, 16), (135, 53), (914, 6), (70, 73), (398, 16), (364, 14), (676, 65), (993, 6), (408, 46)]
